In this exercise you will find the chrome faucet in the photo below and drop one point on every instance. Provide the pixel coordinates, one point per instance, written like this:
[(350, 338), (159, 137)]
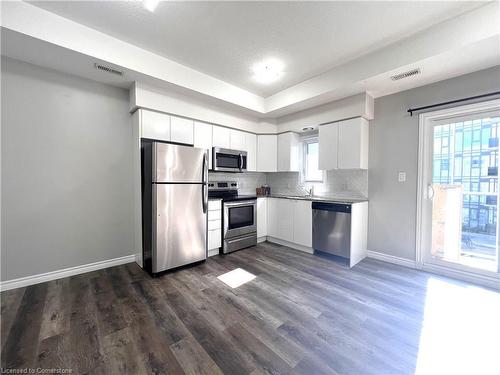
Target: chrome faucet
[(309, 192)]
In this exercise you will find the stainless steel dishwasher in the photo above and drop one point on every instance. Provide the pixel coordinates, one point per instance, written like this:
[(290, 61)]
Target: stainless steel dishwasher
[(332, 228)]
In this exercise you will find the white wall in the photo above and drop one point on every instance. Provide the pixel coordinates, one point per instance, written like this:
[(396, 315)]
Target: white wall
[(394, 147), (360, 105), (66, 171)]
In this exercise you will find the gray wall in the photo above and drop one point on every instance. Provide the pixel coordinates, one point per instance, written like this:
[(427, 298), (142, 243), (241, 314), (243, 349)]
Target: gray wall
[(394, 147), (66, 171)]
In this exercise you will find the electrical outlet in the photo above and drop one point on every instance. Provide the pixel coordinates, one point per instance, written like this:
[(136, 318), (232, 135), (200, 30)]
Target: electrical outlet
[(401, 176)]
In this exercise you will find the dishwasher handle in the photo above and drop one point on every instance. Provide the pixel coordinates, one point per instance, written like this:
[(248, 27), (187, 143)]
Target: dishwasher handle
[(335, 207)]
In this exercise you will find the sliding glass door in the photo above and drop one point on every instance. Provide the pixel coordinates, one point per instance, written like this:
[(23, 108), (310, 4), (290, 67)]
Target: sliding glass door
[(458, 195)]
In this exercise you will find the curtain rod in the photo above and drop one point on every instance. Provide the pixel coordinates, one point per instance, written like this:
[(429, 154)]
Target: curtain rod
[(411, 110)]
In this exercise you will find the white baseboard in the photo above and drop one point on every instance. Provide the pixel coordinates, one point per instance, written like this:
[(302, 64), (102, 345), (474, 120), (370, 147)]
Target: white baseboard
[(261, 239), (291, 244), (391, 259), (59, 274), (476, 278), (484, 280)]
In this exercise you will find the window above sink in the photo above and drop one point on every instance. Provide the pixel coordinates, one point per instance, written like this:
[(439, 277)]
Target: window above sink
[(310, 170)]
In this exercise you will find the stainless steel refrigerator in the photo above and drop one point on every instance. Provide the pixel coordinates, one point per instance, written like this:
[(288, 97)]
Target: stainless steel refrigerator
[(174, 205)]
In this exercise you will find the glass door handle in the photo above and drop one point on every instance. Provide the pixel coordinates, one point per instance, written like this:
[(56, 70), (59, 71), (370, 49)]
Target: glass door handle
[(430, 191)]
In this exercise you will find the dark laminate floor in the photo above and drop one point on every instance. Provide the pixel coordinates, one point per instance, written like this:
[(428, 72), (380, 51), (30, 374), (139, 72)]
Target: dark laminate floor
[(302, 314)]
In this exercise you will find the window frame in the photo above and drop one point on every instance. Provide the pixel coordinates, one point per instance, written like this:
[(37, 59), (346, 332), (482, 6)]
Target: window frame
[(306, 141)]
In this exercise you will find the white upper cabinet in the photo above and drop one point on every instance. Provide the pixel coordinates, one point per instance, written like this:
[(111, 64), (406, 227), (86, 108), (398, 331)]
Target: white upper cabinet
[(287, 219), (251, 149), (237, 140), (203, 138), (202, 135), (181, 130), (344, 145), (353, 144), (288, 152), (154, 125), (328, 146), (302, 223), (221, 137), (267, 153)]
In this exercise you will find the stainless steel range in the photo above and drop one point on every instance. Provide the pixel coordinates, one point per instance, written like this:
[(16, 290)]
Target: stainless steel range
[(239, 220)]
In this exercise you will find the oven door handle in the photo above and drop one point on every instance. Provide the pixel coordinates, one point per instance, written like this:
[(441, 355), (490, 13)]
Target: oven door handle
[(241, 203)]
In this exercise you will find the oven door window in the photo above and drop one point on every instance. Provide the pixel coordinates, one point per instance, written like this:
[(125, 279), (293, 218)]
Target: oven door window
[(240, 217), (227, 161)]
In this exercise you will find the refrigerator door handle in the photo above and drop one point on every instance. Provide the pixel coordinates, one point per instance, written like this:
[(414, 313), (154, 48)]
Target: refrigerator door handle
[(204, 178)]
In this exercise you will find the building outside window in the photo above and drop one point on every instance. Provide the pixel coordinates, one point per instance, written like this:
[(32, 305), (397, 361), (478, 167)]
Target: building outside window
[(466, 153), (311, 173)]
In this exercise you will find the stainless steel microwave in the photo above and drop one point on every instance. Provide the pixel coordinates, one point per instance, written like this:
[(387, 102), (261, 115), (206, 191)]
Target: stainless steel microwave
[(225, 160)]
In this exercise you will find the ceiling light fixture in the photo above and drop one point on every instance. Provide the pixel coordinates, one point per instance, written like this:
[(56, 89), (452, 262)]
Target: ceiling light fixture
[(150, 4), (268, 71)]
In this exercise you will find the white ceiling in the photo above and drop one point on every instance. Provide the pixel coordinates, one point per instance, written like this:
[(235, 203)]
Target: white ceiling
[(224, 39)]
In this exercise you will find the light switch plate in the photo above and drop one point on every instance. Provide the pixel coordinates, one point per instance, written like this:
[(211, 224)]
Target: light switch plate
[(401, 176)]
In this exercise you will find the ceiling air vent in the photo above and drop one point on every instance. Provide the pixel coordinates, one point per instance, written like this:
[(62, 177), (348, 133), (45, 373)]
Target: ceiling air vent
[(108, 69), (409, 73)]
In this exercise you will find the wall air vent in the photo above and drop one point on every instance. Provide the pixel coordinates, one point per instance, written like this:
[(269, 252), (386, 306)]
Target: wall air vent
[(108, 69), (409, 73)]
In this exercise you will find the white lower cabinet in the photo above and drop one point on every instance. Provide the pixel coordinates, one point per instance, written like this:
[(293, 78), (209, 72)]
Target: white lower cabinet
[(272, 217), (261, 217), (280, 219), (214, 226), (214, 239), (285, 220), (302, 223), (288, 220)]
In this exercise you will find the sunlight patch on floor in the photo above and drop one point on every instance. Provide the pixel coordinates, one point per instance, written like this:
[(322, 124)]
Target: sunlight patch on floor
[(460, 330), (236, 278)]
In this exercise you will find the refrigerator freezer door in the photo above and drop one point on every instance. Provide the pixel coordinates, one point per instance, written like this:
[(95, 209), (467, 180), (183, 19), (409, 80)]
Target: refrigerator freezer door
[(176, 163), (181, 225)]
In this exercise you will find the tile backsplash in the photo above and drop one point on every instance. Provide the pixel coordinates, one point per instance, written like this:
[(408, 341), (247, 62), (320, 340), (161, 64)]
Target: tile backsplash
[(339, 183), (247, 181)]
